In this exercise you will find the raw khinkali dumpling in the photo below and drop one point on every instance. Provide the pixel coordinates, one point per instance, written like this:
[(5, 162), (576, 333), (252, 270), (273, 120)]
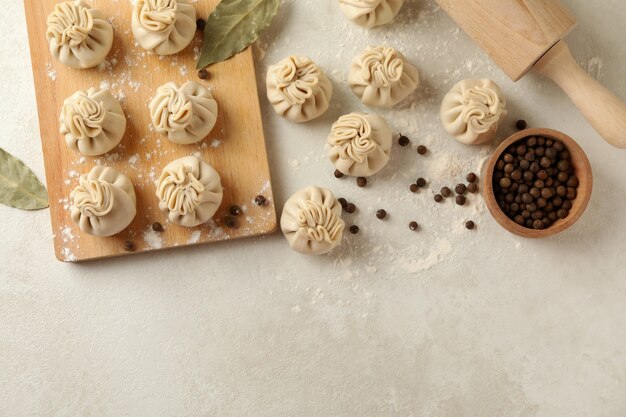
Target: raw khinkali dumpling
[(79, 35), (104, 202), (370, 13), (164, 27), (311, 221), (472, 110), (92, 121), (298, 89), (185, 114), (382, 77), (359, 144), (189, 191)]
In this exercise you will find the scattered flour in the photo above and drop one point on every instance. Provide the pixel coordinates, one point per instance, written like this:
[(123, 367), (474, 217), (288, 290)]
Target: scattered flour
[(51, 72), (152, 239), (195, 237)]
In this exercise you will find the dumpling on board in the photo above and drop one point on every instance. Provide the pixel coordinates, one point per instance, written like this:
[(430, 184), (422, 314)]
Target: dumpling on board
[(472, 111), (184, 114), (359, 144), (311, 221), (79, 35), (104, 202), (164, 27), (189, 191), (298, 89), (382, 77), (370, 13), (92, 122)]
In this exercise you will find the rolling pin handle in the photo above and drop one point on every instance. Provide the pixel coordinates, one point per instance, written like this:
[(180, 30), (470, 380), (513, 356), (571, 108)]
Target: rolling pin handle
[(605, 112)]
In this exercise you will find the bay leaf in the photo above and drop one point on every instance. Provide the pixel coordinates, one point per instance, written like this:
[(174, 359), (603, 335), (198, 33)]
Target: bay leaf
[(233, 26), (19, 186)]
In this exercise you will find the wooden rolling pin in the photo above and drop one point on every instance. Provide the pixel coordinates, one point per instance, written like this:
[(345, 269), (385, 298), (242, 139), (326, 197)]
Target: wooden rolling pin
[(523, 34)]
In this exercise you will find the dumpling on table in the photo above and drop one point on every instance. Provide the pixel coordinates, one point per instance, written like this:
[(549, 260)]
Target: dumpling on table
[(92, 122), (382, 77), (189, 191), (164, 27), (185, 114), (370, 13), (78, 34), (359, 144), (311, 221), (472, 111), (298, 89), (104, 202)]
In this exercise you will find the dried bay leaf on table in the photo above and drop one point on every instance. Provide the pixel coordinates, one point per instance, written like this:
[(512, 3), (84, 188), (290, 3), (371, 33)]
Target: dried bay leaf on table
[(233, 26), (19, 187)]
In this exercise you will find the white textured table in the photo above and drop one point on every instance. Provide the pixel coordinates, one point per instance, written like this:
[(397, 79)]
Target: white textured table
[(444, 322)]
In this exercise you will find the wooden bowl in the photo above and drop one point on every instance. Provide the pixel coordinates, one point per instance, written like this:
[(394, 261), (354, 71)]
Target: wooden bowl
[(582, 169)]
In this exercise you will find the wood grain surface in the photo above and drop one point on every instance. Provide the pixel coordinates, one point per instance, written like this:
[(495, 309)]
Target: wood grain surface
[(236, 147), (515, 33)]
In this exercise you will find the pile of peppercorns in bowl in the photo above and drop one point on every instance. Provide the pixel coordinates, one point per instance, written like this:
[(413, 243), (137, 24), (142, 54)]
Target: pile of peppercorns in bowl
[(537, 183)]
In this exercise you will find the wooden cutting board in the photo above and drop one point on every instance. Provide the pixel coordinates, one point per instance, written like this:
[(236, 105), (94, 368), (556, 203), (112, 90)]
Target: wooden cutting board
[(236, 147)]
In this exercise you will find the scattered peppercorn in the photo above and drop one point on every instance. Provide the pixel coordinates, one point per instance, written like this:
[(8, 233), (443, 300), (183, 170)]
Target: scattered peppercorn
[(260, 200), (343, 202), (413, 226), (469, 225), (403, 141), (231, 222), (460, 200), (203, 74), (350, 208), (460, 189), (471, 177), (414, 188), (157, 227), (200, 24), (472, 188), (235, 210), (438, 198), (521, 124), (422, 150), (421, 182), (361, 181), (338, 174), (381, 214), (129, 246), (446, 192), (354, 229)]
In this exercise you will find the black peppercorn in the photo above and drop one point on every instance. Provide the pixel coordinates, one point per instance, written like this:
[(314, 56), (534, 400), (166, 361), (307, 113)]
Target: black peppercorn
[(203, 74), (129, 246), (260, 200)]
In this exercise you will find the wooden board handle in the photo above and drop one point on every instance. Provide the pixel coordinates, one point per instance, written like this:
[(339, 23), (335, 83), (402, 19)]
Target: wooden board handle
[(605, 112)]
